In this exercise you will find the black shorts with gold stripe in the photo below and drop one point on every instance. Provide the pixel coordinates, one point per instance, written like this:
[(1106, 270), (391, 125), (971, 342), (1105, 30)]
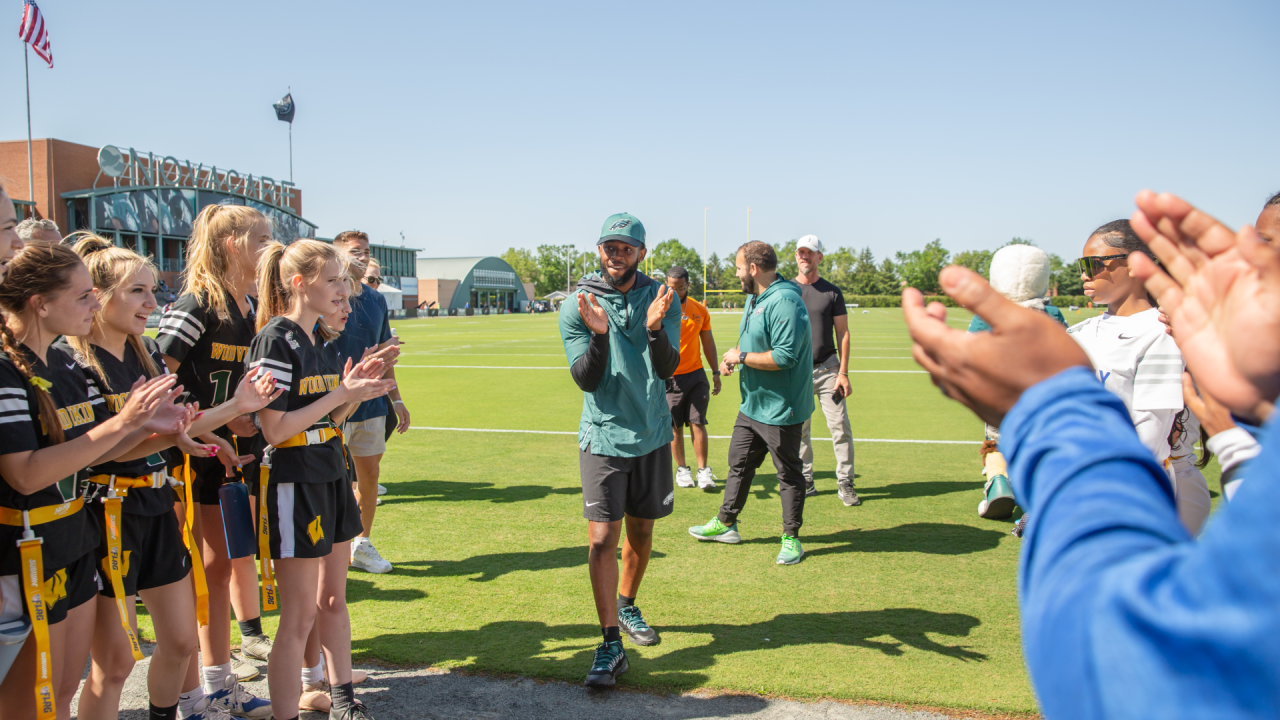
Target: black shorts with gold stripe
[(308, 519)]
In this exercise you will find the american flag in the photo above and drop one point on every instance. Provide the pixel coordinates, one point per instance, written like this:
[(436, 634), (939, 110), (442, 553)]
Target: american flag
[(34, 32)]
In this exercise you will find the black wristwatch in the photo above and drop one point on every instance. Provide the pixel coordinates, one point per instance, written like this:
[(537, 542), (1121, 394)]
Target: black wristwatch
[(742, 358)]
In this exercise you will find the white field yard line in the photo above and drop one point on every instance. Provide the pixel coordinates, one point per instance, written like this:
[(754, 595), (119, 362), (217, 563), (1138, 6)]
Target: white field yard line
[(566, 367), (713, 437)]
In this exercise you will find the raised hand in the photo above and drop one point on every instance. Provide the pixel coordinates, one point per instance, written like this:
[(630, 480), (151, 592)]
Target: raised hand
[(659, 307), (389, 355), (364, 380), (1213, 417), (592, 314), (1221, 291), (148, 396), (986, 372), (254, 394), (168, 417)]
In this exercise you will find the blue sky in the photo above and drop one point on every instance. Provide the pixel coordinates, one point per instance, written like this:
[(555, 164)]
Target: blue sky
[(473, 127)]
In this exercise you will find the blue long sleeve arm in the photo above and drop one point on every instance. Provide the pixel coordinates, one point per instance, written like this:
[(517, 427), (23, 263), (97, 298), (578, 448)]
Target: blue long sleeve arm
[(1124, 616)]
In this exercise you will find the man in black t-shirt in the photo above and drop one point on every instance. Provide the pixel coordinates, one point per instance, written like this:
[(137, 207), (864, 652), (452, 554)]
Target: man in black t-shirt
[(829, 322)]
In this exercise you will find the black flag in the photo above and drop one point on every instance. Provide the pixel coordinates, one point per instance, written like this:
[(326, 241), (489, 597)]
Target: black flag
[(285, 108)]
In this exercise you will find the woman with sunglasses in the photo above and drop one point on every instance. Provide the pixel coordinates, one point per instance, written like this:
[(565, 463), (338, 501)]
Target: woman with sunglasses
[(1134, 357)]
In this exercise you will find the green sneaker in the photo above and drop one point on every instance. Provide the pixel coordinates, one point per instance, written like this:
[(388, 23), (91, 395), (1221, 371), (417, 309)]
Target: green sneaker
[(997, 499), (718, 531), (609, 663), (791, 551)]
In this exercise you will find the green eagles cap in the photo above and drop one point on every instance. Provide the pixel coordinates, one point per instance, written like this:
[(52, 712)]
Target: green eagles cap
[(625, 227)]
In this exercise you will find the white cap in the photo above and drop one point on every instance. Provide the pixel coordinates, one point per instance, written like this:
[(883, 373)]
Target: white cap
[(810, 241)]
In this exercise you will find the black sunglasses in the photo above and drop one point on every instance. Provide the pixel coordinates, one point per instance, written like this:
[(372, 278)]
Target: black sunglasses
[(1095, 264), (375, 282)]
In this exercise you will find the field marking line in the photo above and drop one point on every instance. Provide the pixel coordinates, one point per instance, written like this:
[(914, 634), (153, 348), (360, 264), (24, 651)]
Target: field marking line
[(713, 437), (566, 367)]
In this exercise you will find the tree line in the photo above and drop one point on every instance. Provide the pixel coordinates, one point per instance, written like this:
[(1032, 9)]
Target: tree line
[(855, 271)]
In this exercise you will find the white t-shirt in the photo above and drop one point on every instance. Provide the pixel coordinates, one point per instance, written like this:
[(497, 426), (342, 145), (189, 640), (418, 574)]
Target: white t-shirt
[(1137, 360)]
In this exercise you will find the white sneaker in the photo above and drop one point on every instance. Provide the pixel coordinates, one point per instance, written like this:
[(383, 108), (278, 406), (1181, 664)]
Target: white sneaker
[(382, 489), (365, 557), (684, 476), (706, 479)]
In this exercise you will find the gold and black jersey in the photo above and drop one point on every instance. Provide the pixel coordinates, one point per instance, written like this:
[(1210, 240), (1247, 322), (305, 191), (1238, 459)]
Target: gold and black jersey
[(120, 375), (211, 350), (22, 430), (306, 371)]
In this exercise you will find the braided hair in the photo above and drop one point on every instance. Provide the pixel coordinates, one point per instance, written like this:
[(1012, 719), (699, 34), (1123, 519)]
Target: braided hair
[(41, 269)]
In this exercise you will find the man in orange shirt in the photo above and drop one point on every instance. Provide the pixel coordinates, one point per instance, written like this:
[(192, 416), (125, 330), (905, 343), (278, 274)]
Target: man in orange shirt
[(688, 392)]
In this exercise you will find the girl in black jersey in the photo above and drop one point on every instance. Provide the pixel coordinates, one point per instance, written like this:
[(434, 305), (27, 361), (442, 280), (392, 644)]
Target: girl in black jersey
[(311, 510), (45, 402), (204, 336), (154, 560)]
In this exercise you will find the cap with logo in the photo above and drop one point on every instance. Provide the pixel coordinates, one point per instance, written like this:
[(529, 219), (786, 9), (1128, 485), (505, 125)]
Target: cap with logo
[(625, 227), (811, 242)]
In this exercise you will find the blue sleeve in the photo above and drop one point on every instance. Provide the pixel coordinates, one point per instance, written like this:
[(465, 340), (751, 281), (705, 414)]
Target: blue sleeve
[(384, 332), (978, 325), (1122, 614), (788, 330)]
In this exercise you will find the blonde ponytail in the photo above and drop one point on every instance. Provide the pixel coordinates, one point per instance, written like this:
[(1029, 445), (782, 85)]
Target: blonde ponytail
[(278, 263), (209, 261)]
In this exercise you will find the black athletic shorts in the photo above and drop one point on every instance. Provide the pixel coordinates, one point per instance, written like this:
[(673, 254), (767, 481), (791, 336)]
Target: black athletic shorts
[(66, 589), (316, 516), (616, 486), (154, 555), (211, 474), (687, 396)]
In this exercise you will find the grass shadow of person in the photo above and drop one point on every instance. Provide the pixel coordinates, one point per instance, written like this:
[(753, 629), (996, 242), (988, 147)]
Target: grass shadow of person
[(564, 652), (465, 491), (494, 565), (930, 538)]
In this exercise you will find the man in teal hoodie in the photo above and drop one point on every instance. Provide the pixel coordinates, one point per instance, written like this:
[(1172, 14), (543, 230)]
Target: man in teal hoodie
[(775, 352), (622, 337)]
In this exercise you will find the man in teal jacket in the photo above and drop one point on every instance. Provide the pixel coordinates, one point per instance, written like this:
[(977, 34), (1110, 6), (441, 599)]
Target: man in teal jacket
[(776, 354), (622, 337)]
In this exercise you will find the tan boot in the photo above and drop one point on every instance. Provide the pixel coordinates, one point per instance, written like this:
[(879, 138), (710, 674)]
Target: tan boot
[(315, 697)]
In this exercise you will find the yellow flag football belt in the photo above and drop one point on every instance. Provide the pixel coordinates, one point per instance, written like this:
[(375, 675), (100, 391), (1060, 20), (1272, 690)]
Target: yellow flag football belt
[(117, 489), (189, 539), (32, 572), (318, 436)]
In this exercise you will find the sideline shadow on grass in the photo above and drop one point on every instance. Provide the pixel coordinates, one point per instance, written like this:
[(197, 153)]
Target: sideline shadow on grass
[(445, 491), (521, 647), (907, 490), (495, 565), (931, 538)]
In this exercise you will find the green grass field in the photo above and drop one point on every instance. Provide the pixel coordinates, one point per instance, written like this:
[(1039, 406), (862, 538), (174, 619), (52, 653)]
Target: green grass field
[(909, 598)]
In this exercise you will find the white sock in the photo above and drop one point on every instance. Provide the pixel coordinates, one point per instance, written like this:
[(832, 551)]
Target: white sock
[(358, 541), (215, 677), (313, 674), (189, 701)]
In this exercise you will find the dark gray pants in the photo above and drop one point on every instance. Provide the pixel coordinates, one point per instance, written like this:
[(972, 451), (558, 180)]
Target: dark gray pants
[(751, 441)]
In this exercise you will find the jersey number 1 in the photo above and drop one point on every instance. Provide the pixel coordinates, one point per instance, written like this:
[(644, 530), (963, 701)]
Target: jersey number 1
[(221, 380)]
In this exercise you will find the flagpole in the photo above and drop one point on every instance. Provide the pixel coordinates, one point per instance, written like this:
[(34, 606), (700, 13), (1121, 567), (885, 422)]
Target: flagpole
[(26, 67), (290, 151), (704, 255)]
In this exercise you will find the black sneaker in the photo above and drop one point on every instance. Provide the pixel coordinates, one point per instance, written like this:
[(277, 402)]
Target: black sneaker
[(632, 622), (848, 495), (610, 662), (809, 489), (354, 711)]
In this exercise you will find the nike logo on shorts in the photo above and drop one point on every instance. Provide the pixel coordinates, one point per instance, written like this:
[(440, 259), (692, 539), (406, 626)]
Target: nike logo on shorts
[(594, 503)]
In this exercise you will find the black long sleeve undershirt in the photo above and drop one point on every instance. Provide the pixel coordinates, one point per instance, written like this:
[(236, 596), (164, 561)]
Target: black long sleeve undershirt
[(589, 369), (665, 358)]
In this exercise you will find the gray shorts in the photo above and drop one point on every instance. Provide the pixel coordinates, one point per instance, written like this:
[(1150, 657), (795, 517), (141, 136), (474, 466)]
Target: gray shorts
[(613, 487)]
